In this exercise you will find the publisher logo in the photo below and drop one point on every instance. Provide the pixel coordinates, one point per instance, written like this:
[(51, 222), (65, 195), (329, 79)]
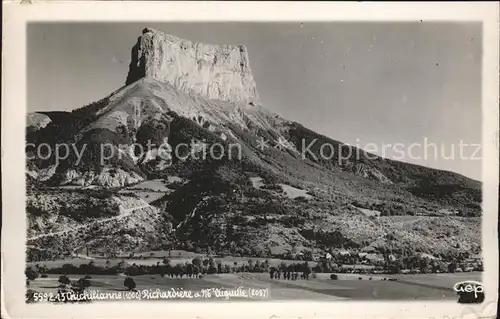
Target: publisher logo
[(469, 291)]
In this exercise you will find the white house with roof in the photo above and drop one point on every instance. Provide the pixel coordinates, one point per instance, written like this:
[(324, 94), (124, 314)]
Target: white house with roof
[(341, 252)]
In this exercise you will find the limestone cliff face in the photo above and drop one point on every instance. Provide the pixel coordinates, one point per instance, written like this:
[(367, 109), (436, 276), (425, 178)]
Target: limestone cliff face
[(213, 71)]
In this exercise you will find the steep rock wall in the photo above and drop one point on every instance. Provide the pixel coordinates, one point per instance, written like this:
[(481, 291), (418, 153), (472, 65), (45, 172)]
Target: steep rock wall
[(213, 71)]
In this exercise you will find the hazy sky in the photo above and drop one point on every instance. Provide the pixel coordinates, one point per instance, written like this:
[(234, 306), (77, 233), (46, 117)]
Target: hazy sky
[(359, 83)]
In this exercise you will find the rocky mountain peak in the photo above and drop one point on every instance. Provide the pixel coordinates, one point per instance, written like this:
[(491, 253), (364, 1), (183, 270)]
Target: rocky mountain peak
[(220, 72)]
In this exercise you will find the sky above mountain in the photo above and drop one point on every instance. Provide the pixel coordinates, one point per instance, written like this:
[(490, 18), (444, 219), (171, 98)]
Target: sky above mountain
[(367, 84)]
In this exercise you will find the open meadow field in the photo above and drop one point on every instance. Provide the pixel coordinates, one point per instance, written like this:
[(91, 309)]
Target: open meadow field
[(438, 280)]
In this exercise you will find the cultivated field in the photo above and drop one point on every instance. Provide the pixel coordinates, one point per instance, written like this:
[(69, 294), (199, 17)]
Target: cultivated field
[(150, 190)]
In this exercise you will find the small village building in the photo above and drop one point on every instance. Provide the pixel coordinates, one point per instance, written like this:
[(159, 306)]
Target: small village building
[(427, 256), (341, 252), (375, 259)]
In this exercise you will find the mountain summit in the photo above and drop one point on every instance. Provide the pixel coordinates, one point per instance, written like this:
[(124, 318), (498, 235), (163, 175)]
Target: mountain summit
[(213, 71)]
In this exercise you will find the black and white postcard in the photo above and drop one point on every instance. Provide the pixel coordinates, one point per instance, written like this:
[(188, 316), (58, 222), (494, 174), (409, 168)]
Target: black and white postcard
[(250, 159)]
